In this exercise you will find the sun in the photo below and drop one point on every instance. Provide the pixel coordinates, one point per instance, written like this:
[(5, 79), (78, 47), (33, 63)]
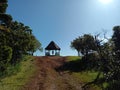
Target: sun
[(105, 1)]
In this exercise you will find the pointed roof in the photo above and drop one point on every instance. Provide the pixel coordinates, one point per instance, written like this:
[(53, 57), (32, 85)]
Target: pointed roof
[(52, 46)]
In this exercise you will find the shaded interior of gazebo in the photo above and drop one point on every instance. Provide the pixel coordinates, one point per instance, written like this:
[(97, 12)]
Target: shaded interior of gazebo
[(52, 49)]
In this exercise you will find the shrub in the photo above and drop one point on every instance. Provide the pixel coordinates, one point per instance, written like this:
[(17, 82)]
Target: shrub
[(5, 57)]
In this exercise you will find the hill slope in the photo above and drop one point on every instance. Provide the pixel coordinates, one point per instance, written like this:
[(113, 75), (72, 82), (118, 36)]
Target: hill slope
[(47, 77)]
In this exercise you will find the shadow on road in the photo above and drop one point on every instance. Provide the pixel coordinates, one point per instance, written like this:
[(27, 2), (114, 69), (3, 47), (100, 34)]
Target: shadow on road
[(72, 66)]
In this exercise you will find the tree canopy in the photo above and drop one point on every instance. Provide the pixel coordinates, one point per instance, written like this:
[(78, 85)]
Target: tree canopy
[(84, 44), (105, 58), (16, 39)]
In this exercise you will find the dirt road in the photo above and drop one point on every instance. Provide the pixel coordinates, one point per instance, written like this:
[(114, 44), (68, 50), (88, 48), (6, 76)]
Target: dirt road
[(48, 78)]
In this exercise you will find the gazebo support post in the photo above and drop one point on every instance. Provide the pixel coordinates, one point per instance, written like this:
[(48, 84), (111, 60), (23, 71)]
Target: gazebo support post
[(52, 52), (59, 52)]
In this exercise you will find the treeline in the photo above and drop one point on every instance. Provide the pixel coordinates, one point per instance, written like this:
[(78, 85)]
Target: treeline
[(16, 39), (102, 56)]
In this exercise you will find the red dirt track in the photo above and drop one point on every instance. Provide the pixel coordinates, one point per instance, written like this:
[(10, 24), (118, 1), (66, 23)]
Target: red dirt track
[(47, 78)]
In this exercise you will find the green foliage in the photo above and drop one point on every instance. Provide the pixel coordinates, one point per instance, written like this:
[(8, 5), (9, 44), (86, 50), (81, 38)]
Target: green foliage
[(20, 40), (80, 72), (5, 57), (77, 44), (84, 44), (105, 58), (72, 58), (113, 85), (3, 6), (116, 40), (16, 40), (5, 19), (21, 73), (113, 72), (5, 53), (88, 44), (91, 63)]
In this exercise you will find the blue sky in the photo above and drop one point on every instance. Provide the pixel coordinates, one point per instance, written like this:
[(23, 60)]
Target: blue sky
[(64, 20)]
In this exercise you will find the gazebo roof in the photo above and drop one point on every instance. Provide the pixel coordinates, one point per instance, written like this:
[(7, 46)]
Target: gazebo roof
[(52, 46)]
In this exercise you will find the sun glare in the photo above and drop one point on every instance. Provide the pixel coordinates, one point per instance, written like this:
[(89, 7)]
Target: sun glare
[(105, 1)]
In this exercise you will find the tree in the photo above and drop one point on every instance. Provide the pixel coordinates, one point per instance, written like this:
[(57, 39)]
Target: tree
[(114, 71), (88, 44), (5, 57), (3, 6), (16, 39), (109, 62), (22, 40), (84, 44), (34, 45), (116, 41), (77, 44), (5, 19)]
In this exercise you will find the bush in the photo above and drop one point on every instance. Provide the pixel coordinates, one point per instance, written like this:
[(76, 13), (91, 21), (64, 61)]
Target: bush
[(113, 85), (5, 57), (91, 62)]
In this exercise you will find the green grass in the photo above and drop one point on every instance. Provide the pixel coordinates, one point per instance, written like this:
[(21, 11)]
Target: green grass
[(27, 69), (83, 76), (73, 58), (18, 80)]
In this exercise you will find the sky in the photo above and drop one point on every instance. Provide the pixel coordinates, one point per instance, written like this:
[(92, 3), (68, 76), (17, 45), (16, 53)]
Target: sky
[(62, 21)]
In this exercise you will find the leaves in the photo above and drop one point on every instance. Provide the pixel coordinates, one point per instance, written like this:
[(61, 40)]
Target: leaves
[(3, 6), (84, 44)]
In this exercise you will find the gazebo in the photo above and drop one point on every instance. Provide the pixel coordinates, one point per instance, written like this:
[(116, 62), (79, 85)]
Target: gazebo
[(52, 49)]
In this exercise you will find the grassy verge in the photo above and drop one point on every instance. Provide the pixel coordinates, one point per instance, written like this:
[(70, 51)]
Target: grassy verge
[(83, 76), (16, 81), (73, 58)]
